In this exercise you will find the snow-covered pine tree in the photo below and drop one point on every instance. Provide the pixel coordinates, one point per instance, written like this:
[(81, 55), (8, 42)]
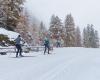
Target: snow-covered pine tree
[(90, 37), (97, 39), (69, 31), (42, 32), (2, 15), (56, 28), (78, 42), (12, 10), (86, 36), (85, 40), (94, 37)]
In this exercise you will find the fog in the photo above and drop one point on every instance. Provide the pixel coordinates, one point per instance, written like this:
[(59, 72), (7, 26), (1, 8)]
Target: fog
[(84, 11)]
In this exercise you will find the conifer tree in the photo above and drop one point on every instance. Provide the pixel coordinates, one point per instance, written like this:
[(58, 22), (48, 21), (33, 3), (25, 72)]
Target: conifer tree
[(90, 37), (69, 31), (97, 39), (78, 42), (56, 28), (42, 32)]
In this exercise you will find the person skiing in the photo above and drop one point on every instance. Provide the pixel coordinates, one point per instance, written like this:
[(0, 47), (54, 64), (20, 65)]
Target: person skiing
[(58, 43), (47, 45), (18, 46)]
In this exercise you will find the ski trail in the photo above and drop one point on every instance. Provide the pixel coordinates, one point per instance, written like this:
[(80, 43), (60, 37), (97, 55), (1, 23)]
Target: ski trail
[(57, 69), (71, 64)]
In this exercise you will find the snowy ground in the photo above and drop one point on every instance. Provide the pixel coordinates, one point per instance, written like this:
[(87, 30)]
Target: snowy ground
[(63, 64)]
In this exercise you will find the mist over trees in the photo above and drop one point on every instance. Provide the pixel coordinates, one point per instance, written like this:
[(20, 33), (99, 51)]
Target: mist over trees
[(32, 31)]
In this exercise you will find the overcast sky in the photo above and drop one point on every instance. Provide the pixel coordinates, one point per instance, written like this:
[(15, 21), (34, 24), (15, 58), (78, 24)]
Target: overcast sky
[(84, 11)]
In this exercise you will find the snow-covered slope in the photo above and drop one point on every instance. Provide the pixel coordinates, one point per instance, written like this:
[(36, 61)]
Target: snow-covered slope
[(63, 64), (10, 34)]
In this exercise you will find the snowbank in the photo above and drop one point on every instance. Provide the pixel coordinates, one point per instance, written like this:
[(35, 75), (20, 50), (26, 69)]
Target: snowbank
[(12, 35)]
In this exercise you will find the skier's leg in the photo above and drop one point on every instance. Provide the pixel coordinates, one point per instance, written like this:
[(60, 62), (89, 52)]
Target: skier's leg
[(45, 50), (48, 49), (17, 50), (20, 52), (59, 45), (17, 53)]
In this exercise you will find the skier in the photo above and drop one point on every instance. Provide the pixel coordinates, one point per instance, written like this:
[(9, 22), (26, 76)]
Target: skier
[(18, 46), (58, 43), (47, 45)]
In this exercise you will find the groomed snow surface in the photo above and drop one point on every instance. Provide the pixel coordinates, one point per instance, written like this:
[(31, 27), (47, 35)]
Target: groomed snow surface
[(62, 64)]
